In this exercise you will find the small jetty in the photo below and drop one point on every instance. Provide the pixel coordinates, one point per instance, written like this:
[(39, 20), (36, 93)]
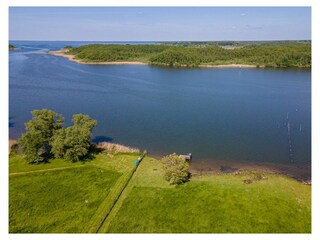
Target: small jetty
[(139, 159), (186, 157)]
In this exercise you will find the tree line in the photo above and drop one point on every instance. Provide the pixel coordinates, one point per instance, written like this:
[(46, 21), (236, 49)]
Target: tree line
[(46, 137), (291, 54)]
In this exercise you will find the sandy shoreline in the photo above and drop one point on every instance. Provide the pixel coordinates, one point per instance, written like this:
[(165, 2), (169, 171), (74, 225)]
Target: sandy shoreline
[(229, 66), (72, 58), (210, 166), (299, 172)]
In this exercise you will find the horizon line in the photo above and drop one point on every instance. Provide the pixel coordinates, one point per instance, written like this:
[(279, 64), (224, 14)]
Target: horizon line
[(162, 40)]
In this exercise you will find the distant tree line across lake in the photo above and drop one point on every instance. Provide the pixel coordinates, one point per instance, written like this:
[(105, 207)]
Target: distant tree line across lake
[(262, 54)]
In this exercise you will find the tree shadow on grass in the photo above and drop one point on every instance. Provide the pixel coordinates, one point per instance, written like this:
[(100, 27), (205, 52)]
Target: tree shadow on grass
[(92, 152), (94, 149), (45, 158)]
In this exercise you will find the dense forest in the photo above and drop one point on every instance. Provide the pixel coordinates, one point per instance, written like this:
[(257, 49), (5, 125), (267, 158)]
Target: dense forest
[(265, 54)]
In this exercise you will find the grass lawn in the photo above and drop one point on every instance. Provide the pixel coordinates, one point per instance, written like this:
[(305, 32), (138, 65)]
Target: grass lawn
[(212, 204), (75, 197), (119, 162), (59, 201), (61, 196)]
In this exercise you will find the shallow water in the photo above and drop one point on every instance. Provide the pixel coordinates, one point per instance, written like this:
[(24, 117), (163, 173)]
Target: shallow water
[(226, 114)]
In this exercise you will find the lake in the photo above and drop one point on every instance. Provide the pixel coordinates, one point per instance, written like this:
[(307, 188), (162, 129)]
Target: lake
[(229, 114)]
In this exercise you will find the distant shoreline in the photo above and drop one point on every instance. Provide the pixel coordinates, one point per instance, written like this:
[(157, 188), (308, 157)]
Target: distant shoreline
[(73, 59)]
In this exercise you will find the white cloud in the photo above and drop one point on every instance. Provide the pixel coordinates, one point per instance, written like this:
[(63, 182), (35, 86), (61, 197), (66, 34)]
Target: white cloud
[(242, 14)]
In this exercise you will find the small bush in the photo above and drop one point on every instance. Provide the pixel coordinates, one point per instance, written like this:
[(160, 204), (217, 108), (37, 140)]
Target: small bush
[(176, 169)]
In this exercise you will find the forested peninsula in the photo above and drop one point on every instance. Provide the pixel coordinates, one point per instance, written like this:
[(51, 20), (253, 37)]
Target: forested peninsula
[(11, 47), (295, 54)]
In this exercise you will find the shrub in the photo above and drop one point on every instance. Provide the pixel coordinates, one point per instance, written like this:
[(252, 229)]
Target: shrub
[(176, 169)]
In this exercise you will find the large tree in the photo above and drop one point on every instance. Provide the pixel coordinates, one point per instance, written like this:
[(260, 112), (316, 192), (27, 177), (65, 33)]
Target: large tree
[(176, 169), (36, 141), (73, 142)]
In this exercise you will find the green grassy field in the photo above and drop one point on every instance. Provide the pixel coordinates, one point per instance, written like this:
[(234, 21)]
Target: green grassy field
[(61, 196), (212, 204), (76, 197)]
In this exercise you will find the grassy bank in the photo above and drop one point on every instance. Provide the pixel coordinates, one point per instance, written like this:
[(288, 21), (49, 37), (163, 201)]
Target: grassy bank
[(75, 197), (212, 204), (291, 54)]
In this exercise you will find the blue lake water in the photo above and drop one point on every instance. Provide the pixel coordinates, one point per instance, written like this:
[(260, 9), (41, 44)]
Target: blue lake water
[(228, 114)]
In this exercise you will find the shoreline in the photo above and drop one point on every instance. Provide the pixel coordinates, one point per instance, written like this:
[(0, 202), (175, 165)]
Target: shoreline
[(72, 58), (230, 66), (210, 166), (299, 172)]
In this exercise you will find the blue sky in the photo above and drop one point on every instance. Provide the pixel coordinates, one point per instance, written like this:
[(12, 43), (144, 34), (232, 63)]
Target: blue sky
[(159, 23)]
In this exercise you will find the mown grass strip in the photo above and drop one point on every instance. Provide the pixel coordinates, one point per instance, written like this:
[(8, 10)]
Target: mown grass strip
[(106, 207), (143, 171), (116, 207), (43, 170)]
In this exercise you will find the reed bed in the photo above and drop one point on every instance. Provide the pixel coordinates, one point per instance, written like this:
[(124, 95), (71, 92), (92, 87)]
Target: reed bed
[(116, 148)]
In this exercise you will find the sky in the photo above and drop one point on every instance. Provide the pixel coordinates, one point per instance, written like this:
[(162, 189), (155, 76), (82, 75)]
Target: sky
[(159, 23)]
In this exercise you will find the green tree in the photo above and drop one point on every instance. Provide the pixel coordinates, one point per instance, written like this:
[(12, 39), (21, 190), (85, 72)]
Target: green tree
[(31, 146), (176, 169), (73, 142), (58, 143), (36, 141)]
